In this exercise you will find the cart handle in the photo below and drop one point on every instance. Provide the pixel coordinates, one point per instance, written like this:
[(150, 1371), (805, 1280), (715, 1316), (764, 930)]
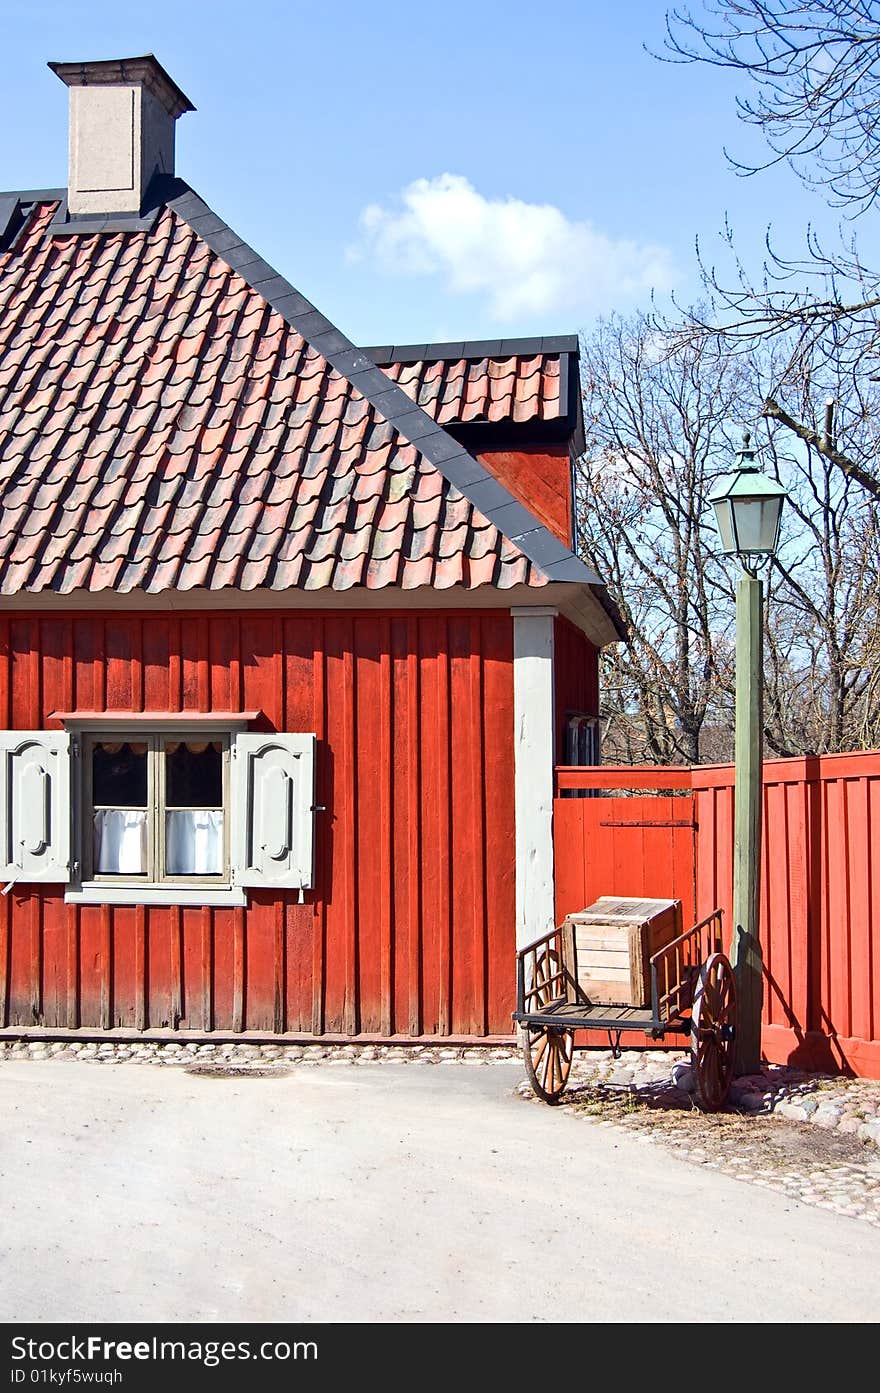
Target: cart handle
[(538, 943)]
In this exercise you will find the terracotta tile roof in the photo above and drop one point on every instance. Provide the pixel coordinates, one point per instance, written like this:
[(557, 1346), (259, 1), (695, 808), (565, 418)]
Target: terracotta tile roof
[(167, 421), (521, 386)]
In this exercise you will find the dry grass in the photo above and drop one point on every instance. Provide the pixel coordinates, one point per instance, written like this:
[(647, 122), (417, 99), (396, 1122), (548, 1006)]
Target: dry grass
[(674, 1119)]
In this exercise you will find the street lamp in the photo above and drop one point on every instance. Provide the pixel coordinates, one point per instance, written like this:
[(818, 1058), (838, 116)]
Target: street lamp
[(748, 508)]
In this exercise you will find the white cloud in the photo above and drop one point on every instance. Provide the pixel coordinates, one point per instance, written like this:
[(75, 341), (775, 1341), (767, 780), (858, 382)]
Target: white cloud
[(525, 258)]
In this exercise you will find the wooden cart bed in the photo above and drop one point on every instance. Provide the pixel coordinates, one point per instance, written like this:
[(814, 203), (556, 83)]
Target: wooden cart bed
[(577, 1016)]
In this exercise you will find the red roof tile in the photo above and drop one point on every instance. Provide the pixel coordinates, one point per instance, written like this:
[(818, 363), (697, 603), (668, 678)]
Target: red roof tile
[(454, 391), (162, 426)]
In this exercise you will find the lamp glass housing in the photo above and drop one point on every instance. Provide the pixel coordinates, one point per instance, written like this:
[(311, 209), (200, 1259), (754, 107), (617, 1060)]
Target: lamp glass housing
[(748, 509)]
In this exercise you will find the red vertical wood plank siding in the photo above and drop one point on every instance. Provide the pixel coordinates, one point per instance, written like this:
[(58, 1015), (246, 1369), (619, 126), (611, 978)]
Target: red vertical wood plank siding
[(410, 926), (576, 678), (323, 833), (303, 703), (476, 810), (71, 1017), (498, 794), (460, 740), (140, 999), (364, 907), (385, 831), (409, 782)]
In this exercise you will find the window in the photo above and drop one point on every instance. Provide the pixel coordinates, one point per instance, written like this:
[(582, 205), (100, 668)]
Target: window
[(171, 810), (581, 747), (582, 740), (158, 808)]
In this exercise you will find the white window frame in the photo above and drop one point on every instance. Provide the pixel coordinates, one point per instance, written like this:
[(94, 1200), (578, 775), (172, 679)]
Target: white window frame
[(138, 890), (156, 807)]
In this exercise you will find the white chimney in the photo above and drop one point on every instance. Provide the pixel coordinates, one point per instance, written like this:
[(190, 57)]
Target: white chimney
[(122, 115)]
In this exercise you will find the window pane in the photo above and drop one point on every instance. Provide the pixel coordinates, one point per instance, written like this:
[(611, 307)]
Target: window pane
[(193, 774), (119, 774), (120, 842), (194, 843)]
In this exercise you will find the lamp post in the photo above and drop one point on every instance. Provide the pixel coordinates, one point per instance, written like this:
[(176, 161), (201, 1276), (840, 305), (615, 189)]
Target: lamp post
[(748, 508)]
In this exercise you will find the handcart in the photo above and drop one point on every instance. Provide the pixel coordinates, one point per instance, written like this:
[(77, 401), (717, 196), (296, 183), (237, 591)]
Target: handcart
[(692, 992)]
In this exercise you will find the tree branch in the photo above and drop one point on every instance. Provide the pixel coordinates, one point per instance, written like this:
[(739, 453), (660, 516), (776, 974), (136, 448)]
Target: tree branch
[(869, 482)]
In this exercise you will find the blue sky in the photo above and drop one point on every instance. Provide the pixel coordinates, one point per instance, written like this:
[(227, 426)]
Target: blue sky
[(430, 172)]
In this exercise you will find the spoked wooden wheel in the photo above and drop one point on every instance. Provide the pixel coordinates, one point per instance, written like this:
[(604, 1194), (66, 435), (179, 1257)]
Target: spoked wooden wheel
[(547, 985), (547, 1051), (714, 1031)]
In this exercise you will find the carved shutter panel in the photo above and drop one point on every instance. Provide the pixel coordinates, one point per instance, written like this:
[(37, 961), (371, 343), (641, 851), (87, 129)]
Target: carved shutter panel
[(34, 805), (273, 781)]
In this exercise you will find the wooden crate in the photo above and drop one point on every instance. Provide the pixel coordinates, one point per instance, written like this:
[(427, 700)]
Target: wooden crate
[(615, 939)]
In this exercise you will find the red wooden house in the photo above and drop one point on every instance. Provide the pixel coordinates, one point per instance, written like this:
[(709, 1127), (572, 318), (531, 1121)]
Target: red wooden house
[(292, 632)]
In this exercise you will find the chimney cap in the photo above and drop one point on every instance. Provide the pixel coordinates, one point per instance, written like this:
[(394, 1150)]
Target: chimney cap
[(144, 69)]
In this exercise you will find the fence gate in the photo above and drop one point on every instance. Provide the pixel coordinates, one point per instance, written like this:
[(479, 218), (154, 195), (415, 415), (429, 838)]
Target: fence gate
[(618, 841)]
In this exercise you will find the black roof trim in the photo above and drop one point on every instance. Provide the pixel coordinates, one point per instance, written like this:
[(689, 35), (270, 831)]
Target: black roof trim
[(16, 207), (472, 479), (34, 195), (483, 434), (385, 354), (10, 218), (65, 224)]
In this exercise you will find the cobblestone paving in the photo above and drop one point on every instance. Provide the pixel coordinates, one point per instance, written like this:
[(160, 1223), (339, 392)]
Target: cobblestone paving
[(813, 1138)]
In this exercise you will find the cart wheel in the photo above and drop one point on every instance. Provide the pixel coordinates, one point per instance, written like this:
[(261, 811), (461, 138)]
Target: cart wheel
[(547, 1051), (714, 1030), (545, 990)]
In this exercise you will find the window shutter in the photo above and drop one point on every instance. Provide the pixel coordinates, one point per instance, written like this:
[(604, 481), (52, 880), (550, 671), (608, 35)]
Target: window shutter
[(34, 805), (273, 783)]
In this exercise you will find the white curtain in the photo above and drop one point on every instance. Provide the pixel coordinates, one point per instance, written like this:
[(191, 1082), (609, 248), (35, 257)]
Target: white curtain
[(120, 842), (194, 842)]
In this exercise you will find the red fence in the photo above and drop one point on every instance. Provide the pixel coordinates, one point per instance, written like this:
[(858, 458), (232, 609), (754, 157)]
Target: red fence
[(669, 832)]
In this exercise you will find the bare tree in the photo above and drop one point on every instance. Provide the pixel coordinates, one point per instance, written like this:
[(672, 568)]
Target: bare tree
[(662, 423), (815, 70), (807, 320), (656, 439), (823, 651)]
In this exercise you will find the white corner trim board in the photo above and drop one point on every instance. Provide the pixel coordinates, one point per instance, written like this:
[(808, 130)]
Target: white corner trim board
[(533, 771)]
